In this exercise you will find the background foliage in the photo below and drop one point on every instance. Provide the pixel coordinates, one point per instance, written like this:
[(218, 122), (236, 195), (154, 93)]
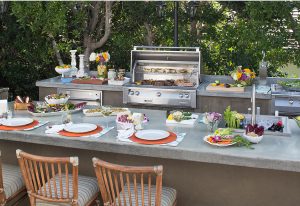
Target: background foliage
[(228, 33)]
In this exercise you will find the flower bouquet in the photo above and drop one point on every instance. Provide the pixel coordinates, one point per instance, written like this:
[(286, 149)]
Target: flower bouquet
[(131, 121), (101, 59), (243, 77), (212, 119)]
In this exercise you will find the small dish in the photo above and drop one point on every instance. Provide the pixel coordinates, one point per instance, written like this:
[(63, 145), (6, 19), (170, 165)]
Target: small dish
[(80, 128), (16, 122), (253, 139), (152, 134), (57, 99)]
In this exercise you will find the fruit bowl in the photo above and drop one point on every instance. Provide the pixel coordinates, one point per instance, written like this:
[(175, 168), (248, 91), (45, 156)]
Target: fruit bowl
[(253, 139), (63, 69), (57, 98)]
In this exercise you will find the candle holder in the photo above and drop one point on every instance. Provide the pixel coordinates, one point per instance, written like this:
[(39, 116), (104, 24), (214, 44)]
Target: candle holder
[(81, 72), (73, 63)]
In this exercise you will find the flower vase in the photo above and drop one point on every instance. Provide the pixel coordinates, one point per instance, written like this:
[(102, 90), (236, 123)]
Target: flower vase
[(212, 126), (102, 70)]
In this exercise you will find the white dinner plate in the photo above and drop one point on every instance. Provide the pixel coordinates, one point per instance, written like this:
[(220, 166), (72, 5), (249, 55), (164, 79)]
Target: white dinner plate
[(152, 134), (216, 144), (16, 122), (80, 128)]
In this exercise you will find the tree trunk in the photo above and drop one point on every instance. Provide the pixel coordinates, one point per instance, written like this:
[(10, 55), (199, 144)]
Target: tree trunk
[(56, 50), (90, 43), (149, 35)]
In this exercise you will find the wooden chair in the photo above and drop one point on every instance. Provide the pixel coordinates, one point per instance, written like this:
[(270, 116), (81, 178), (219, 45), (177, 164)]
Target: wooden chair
[(12, 187), (131, 186), (48, 181)]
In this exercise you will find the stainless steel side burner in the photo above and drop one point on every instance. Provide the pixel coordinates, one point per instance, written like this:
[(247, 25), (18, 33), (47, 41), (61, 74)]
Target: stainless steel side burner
[(285, 102), (166, 76)]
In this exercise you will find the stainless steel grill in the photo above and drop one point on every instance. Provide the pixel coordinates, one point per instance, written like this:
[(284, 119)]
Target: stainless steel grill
[(285, 102), (166, 76)]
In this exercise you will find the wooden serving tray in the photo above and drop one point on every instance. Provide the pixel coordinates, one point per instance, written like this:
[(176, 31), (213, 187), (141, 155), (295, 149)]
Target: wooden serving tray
[(21, 106), (224, 89), (90, 81)]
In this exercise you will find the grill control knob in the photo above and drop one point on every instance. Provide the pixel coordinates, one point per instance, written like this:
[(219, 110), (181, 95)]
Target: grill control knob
[(158, 94), (186, 95), (291, 101), (137, 93), (180, 95), (131, 92)]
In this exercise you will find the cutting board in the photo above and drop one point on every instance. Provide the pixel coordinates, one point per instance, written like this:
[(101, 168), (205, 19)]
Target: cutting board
[(89, 81), (224, 89)]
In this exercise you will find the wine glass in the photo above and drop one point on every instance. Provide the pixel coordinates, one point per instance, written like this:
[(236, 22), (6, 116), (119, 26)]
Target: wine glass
[(106, 112), (177, 119)]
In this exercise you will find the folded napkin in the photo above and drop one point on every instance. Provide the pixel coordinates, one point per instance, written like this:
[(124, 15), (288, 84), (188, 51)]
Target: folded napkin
[(54, 129), (123, 136)]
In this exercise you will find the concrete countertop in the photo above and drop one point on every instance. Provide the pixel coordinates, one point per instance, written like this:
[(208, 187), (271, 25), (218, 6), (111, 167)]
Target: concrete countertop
[(273, 152), (201, 90)]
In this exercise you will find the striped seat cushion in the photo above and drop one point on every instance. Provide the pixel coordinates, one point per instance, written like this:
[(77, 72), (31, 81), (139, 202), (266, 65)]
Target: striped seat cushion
[(87, 189), (168, 196), (12, 179)]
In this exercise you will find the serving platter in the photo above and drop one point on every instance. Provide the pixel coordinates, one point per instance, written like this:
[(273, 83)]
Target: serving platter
[(78, 107), (95, 113), (80, 128), (216, 144), (152, 134), (16, 122)]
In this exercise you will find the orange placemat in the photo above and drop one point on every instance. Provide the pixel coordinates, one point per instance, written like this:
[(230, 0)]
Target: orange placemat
[(28, 126), (167, 140), (71, 134)]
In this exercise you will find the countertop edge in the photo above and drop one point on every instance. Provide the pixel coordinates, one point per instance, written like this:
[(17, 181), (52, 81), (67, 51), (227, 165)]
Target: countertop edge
[(164, 152)]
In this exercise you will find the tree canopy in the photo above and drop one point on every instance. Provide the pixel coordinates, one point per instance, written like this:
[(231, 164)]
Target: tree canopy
[(37, 36)]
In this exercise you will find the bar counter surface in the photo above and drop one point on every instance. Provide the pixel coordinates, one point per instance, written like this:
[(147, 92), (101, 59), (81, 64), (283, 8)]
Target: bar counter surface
[(273, 152), (202, 174)]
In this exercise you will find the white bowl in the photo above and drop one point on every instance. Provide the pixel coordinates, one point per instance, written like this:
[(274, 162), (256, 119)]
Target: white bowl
[(62, 70), (253, 139), (57, 101)]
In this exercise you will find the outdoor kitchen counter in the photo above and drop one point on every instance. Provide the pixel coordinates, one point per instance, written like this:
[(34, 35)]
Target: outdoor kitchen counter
[(55, 82), (278, 153)]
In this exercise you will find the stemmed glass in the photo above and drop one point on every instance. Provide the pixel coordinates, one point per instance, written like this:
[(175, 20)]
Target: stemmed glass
[(177, 119), (106, 112)]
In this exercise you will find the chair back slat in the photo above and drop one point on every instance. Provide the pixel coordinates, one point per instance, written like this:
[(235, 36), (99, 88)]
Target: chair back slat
[(142, 187), (128, 189), (106, 186), (33, 175), (60, 180), (136, 196), (53, 180), (67, 180), (149, 189), (37, 176), (122, 188), (129, 184), (111, 186), (48, 179), (42, 177), (117, 187)]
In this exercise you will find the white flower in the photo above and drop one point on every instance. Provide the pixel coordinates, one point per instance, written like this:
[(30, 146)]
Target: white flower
[(93, 56)]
